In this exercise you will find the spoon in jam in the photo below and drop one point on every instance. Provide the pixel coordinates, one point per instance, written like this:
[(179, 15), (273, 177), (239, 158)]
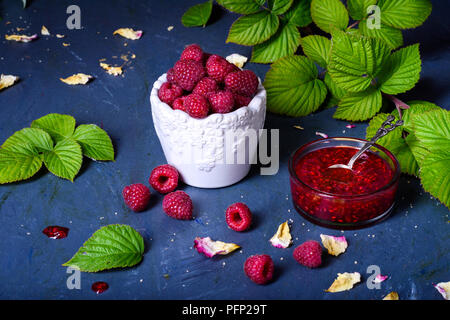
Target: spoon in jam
[(386, 127)]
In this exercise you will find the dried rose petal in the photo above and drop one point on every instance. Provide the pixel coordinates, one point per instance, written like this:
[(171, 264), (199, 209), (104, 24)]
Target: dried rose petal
[(115, 71), (391, 296), (344, 281), (7, 81), (44, 31), (444, 289), (237, 59), (334, 245), (129, 33), (350, 126), (323, 135), (20, 37), (210, 248), (379, 278), (79, 78), (282, 238)]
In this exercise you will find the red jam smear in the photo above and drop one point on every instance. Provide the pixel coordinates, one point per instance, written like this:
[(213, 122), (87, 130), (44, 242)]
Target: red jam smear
[(341, 195), (99, 287), (56, 232)]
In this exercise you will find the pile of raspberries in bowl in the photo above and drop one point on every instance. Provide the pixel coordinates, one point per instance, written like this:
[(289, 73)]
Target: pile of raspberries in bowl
[(201, 84)]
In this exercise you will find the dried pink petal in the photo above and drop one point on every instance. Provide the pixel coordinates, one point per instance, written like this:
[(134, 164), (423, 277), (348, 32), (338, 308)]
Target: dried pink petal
[(379, 278), (323, 135), (129, 33), (282, 238), (444, 289), (210, 248), (334, 245), (350, 126), (20, 37)]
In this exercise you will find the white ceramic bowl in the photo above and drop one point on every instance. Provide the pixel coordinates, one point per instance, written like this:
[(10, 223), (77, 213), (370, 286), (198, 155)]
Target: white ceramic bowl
[(198, 148)]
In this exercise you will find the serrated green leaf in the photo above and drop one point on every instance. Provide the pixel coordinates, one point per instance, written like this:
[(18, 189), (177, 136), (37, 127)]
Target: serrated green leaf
[(417, 148), (432, 128), (293, 87), (359, 106), (197, 15), (58, 126), (65, 159), (112, 246), (241, 6), (94, 141), (335, 91), (401, 71), (283, 43), (415, 108), (404, 14), (29, 141), (254, 28), (317, 48), (358, 8), (327, 14), (279, 6), (391, 36), (300, 13), (435, 175)]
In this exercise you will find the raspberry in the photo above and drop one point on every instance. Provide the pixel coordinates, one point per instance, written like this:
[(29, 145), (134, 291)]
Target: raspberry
[(241, 101), (164, 178), (170, 76), (309, 254), (205, 86), (187, 73), (217, 67), (197, 106), (221, 102), (193, 52), (136, 196), (259, 268), (238, 216), (178, 205), (178, 104), (169, 92), (243, 82)]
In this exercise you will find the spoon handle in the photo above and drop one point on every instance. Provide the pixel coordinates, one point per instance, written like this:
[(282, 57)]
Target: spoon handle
[(386, 127)]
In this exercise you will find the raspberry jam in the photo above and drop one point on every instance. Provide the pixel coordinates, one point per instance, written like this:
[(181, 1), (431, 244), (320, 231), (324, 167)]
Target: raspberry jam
[(99, 287), (343, 198), (56, 232)]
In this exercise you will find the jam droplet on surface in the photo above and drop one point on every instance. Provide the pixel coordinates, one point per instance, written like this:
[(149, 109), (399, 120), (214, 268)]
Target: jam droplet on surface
[(99, 287), (56, 232)]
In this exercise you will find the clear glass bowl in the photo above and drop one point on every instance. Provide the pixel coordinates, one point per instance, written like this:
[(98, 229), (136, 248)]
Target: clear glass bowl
[(343, 211)]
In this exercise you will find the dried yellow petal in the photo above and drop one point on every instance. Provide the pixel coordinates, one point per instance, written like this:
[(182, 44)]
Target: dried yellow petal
[(79, 78), (20, 37), (344, 281), (282, 238), (60, 36), (129, 33), (44, 31), (237, 59), (392, 296), (66, 44), (7, 81), (169, 28), (115, 71), (334, 245), (210, 248), (444, 289)]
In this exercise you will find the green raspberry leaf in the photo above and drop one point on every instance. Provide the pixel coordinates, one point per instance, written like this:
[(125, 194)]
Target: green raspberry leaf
[(335, 91), (58, 126), (241, 6), (359, 106), (391, 36), (197, 15), (435, 175), (283, 43), (404, 14), (254, 28), (279, 6), (432, 128), (327, 14), (317, 48), (112, 246), (401, 71), (415, 108), (65, 159), (94, 142), (358, 8), (293, 87), (300, 13)]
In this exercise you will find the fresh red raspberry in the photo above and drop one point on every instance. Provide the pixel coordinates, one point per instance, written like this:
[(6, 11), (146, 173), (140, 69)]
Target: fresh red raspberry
[(170, 76), (193, 52), (178, 104), (238, 216), (218, 68), (136, 196), (178, 205), (221, 101), (187, 73), (169, 92), (197, 106), (243, 82), (309, 254), (164, 178), (240, 100), (259, 268), (205, 85)]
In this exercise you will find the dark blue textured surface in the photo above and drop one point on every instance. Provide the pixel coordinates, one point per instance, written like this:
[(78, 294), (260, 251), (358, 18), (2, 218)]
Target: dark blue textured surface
[(412, 246)]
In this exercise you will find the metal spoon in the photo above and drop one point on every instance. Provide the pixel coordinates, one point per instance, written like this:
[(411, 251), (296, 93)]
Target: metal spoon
[(386, 127)]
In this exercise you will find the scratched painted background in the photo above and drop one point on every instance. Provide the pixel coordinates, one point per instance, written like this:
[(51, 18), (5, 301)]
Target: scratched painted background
[(412, 246)]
